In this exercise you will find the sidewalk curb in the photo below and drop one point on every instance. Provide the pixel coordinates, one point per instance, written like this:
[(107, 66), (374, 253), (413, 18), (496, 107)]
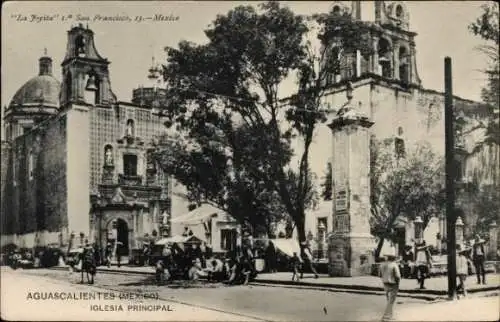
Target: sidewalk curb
[(364, 288), (350, 291)]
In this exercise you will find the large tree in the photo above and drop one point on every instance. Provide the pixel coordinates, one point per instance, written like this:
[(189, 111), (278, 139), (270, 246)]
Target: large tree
[(486, 27), (408, 186), (225, 97), (485, 197)]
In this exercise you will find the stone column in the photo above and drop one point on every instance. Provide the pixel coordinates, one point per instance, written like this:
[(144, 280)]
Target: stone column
[(350, 243), (493, 243)]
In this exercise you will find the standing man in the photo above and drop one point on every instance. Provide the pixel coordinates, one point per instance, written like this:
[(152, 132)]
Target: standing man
[(478, 259), (422, 260), (108, 252), (307, 258), (271, 257), (407, 261), (391, 276)]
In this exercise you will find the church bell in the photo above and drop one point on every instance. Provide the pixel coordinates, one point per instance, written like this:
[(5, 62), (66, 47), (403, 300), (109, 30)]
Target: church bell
[(91, 86)]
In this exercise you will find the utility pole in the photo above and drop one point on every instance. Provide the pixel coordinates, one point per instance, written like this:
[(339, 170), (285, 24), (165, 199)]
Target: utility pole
[(450, 178)]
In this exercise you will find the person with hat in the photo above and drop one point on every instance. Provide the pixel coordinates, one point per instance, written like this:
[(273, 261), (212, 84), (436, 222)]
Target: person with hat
[(478, 258), (462, 269), (423, 261), (390, 276)]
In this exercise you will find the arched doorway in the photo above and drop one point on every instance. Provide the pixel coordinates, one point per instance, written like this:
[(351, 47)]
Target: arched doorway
[(122, 236), (118, 233)]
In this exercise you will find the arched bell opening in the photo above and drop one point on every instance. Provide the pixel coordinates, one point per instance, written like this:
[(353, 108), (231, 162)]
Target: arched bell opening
[(384, 58)]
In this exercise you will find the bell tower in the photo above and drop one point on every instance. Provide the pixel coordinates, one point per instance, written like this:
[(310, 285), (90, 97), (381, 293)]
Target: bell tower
[(85, 72), (395, 51)]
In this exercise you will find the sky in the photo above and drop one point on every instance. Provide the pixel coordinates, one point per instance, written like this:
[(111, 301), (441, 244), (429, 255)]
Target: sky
[(441, 27)]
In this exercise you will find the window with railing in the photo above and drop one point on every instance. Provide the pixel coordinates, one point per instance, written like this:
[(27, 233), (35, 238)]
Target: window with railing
[(130, 165)]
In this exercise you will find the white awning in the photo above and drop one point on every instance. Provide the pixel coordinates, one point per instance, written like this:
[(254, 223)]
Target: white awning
[(179, 239), (198, 215), (171, 240), (288, 246)]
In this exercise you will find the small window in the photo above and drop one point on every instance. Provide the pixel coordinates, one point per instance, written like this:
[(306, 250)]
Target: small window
[(80, 45), (399, 11), (130, 164), (322, 227)]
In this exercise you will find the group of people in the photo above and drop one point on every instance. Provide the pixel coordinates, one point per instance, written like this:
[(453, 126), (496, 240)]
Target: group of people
[(390, 270), (300, 263), (418, 264), (236, 267)]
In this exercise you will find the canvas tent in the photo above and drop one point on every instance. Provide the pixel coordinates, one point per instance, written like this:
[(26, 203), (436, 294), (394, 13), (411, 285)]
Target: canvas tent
[(197, 216), (179, 239), (288, 246)]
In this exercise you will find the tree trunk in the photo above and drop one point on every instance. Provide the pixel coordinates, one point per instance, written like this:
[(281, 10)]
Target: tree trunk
[(380, 244), (301, 229)]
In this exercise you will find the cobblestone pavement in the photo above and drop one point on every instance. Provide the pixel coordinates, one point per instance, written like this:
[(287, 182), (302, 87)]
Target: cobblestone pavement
[(256, 302)]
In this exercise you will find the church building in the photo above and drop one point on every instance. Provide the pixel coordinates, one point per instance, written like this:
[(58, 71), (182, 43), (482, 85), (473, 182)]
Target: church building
[(380, 97), (76, 161)]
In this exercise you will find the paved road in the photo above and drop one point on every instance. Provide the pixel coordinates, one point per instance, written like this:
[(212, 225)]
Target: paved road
[(218, 302), (245, 302), (25, 297)]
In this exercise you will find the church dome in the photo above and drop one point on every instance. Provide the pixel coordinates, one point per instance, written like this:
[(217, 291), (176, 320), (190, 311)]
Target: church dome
[(40, 90)]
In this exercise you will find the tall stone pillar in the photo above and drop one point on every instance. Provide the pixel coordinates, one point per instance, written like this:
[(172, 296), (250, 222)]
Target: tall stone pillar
[(350, 245)]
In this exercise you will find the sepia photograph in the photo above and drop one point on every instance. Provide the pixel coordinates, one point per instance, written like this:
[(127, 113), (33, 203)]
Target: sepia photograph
[(250, 161)]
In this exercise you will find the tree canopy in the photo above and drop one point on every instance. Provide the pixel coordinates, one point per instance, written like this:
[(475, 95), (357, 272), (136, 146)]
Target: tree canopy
[(225, 100), (486, 27), (409, 186)]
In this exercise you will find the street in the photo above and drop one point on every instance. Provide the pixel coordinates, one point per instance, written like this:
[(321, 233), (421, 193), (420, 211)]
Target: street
[(184, 301), (25, 296)]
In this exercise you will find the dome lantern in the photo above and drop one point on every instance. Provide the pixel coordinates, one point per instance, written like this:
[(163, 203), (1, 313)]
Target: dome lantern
[(45, 64)]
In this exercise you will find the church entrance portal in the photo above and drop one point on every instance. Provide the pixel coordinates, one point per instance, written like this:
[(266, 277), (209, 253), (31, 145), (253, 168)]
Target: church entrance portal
[(118, 232)]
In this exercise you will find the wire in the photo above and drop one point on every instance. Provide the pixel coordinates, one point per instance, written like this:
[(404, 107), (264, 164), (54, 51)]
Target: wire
[(246, 100)]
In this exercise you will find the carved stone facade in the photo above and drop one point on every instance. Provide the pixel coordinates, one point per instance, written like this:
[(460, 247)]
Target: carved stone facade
[(93, 176)]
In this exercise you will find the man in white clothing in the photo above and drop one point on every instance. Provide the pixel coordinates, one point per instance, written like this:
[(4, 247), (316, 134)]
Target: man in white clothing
[(391, 276)]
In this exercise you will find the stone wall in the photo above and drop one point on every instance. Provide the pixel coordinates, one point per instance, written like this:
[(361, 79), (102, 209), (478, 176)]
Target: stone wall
[(35, 185), (420, 114)]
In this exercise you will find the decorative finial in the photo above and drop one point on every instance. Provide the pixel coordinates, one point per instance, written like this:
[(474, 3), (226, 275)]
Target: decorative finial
[(45, 51), (87, 26)]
